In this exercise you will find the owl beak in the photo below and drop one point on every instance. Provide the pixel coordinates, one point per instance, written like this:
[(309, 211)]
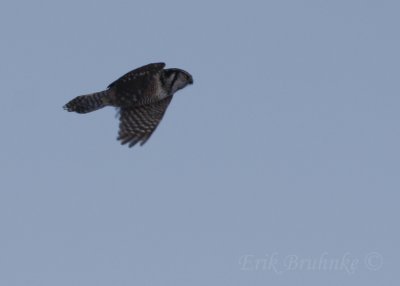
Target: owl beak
[(190, 80)]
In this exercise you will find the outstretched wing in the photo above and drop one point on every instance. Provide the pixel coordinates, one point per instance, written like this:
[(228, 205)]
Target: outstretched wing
[(133, 77), (138, 123)]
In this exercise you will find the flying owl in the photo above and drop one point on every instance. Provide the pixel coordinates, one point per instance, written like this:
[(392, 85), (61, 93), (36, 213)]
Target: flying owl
[(142, 97)]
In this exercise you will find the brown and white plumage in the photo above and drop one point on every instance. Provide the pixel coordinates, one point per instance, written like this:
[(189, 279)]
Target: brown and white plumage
[(142, 96)]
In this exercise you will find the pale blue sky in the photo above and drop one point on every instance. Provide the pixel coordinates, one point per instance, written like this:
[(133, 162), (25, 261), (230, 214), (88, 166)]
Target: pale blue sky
[(285, 149)]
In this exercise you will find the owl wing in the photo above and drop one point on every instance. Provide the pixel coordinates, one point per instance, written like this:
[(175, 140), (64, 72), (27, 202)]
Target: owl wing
[(138, 123), (136, 76)]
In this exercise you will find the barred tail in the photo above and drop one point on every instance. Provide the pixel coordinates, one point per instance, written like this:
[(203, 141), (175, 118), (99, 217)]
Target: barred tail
[(88, 103)]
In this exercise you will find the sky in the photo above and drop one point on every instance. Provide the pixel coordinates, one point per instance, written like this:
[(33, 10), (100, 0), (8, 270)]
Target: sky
[(278, 166)]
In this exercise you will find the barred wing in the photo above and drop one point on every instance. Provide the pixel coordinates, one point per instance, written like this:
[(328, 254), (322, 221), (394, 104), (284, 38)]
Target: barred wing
[(138, 123)]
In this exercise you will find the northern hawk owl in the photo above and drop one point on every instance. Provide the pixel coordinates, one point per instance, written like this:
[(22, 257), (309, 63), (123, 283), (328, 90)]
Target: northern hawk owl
[(142, 97)]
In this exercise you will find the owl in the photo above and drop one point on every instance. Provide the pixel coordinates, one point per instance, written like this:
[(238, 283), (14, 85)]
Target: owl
[(141, 97)]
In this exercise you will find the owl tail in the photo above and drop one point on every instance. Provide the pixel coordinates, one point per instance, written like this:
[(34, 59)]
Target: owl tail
[(88, 103)]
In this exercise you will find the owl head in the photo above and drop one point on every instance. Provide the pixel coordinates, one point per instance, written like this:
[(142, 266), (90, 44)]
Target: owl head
[(176, 79)]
